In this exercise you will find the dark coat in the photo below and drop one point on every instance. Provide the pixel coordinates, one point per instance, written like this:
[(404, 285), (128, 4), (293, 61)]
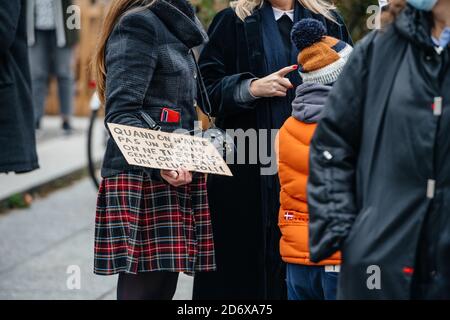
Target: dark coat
[(246, 236), (17, 138), (374, 158), (149, 67)]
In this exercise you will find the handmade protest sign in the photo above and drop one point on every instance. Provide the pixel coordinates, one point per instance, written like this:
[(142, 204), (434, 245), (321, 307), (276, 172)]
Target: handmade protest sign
[(168, 151)]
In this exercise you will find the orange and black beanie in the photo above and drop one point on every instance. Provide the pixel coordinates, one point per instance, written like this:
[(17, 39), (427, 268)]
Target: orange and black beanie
[(321, 58)]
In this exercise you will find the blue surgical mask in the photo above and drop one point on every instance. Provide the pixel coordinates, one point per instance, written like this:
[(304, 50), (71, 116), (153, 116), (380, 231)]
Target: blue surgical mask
[(425, 5)]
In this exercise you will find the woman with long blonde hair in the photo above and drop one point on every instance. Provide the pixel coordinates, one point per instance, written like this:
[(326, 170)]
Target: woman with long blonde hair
[(150, 224), (250, 69)]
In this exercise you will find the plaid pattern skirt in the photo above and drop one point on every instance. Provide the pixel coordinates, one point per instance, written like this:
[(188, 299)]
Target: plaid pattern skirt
[(142, 225)]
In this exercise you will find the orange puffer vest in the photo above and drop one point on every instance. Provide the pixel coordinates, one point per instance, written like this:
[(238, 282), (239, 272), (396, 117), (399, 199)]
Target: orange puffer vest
[(293, 168)]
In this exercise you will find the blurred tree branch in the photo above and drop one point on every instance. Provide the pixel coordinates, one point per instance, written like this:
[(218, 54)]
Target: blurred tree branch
[(355, 15)]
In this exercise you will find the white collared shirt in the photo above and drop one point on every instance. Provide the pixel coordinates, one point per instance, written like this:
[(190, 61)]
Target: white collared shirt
[(279, 13)]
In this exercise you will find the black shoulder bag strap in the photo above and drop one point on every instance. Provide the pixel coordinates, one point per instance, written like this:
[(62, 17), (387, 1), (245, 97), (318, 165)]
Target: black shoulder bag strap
[(205, 103), (149, 120), (220, 139)]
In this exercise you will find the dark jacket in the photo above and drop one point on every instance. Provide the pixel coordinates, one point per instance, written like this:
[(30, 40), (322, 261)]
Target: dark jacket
[(149, 67), (65, 36), (245, 222), (17, 139), (380, 166)]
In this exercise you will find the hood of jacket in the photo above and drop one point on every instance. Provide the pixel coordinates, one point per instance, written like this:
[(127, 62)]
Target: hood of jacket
[(415, 25), (179, 17), (309, 102)]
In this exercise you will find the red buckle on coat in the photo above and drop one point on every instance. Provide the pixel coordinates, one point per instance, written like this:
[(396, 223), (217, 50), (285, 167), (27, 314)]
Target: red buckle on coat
[(408, 270)]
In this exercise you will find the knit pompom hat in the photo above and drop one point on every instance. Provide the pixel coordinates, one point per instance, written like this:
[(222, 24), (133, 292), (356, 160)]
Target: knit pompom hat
[(321, 58)]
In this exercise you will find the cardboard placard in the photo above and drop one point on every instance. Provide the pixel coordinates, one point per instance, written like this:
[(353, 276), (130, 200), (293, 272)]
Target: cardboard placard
[(168, 151)]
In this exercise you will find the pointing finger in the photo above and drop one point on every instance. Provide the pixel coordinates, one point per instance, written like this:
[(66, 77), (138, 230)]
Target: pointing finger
[(286, 70)]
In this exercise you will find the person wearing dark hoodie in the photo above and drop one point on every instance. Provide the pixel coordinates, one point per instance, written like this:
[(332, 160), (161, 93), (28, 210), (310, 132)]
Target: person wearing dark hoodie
[(379, 183), (321, 60)]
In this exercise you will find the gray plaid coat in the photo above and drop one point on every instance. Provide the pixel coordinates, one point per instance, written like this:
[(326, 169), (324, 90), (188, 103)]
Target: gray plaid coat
[(149, 67)]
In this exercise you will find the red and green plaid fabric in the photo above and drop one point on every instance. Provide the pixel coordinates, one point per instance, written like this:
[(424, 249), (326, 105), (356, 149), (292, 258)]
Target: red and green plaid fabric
[(142, 225)]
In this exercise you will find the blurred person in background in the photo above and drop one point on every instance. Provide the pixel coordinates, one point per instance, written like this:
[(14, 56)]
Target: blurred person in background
[(17, 136), (248, 66), (379, 184), (51, 43)]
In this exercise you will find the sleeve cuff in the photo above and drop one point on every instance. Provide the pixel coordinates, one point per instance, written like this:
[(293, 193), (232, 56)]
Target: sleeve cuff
[(242, 92)]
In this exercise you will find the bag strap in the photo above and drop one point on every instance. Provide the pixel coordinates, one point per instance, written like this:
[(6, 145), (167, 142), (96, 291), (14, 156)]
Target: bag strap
[(149, 120), (205, 104)]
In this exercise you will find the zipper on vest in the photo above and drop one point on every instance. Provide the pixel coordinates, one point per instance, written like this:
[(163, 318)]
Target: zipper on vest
[(327, 155), (437, 112), (431, 188), (437, 106)]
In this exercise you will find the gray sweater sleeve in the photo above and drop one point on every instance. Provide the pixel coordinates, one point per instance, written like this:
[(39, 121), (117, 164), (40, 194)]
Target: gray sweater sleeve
[(242, 92)]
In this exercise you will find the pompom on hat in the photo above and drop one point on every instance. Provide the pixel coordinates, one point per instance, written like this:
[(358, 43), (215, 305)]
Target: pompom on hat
[(321, 57)]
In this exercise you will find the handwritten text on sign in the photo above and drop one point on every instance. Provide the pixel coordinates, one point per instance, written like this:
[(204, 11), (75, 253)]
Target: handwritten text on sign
[(168, 151)]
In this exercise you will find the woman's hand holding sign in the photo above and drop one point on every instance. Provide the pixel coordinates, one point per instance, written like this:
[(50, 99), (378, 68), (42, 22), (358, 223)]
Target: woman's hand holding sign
[(177, 178), (274, 85)]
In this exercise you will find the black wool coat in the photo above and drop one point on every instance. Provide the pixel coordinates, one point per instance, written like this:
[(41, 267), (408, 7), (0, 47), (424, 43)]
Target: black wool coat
[(17, 136), (245, 223), (149, 67), (379, 184)]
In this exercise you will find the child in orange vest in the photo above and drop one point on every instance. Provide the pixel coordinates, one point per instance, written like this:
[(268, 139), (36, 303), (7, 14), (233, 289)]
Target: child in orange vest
[(321, 60)]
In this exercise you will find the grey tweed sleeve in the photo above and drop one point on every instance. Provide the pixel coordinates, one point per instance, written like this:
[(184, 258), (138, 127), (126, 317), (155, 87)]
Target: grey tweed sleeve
[(242, 92)]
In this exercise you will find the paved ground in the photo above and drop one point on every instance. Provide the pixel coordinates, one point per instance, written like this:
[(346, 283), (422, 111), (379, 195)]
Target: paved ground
[(38, 245)]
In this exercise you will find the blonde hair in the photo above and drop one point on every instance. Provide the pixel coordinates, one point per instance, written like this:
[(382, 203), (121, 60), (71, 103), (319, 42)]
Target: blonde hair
[(245, 8)]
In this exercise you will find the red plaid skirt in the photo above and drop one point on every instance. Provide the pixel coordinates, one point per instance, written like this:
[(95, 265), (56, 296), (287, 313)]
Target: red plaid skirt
[(142, 225)]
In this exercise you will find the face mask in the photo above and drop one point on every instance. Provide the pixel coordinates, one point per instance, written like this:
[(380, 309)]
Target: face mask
[(425, 5)]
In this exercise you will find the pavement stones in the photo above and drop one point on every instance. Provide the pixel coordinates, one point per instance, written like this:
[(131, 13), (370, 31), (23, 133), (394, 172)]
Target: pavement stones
[(39, 244)]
